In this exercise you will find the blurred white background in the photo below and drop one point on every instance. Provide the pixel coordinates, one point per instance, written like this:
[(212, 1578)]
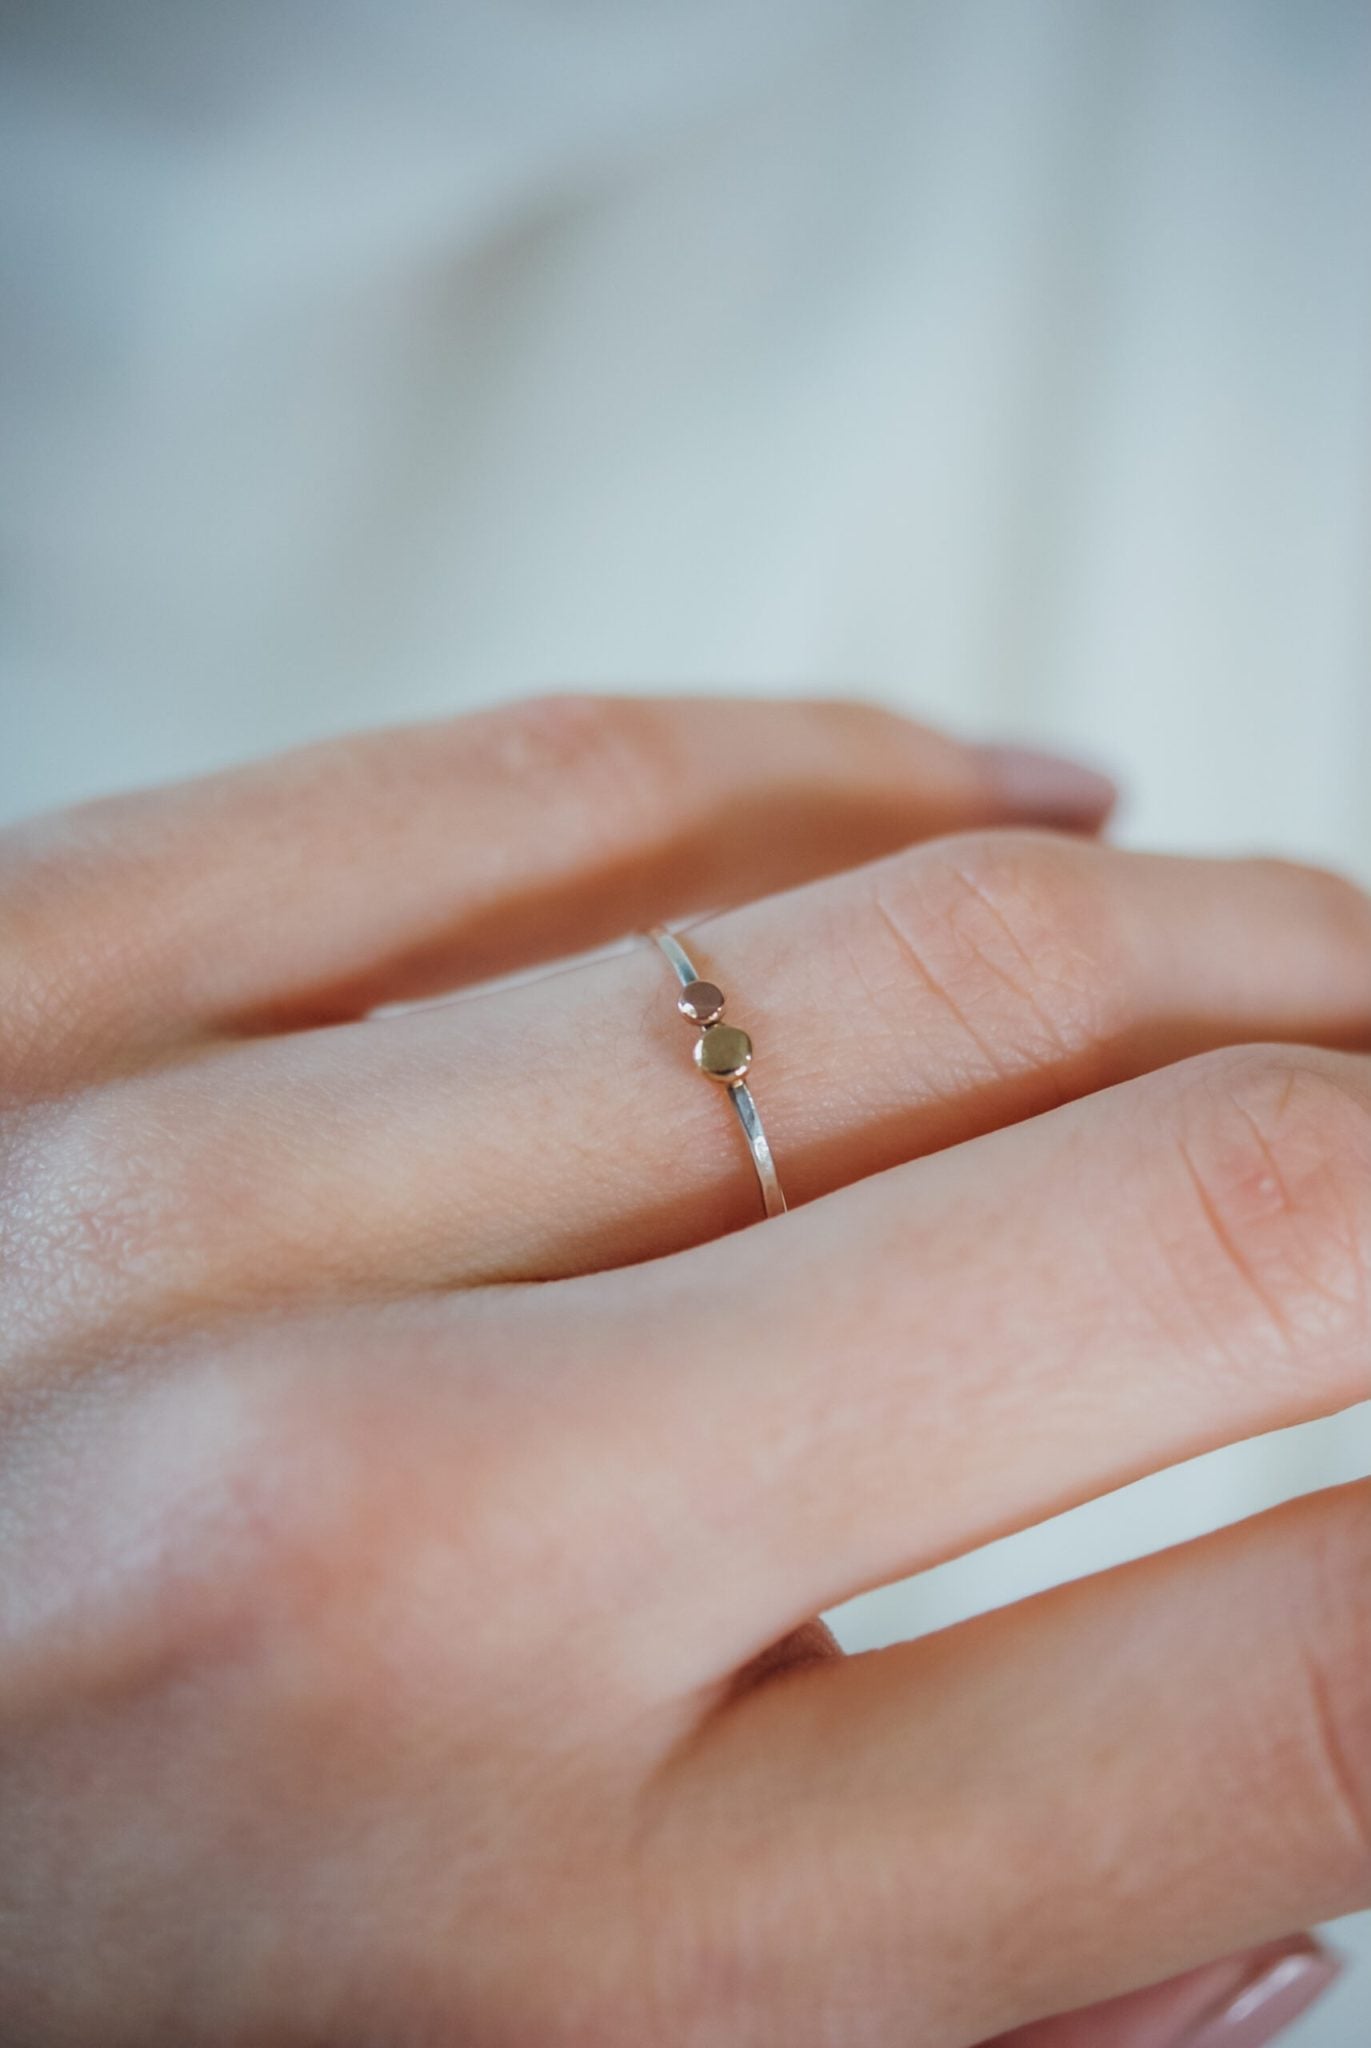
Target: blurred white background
[(1007, 359)]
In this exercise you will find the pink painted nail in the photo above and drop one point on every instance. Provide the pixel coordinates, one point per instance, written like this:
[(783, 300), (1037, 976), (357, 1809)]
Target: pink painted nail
[(1280, 1984), (1048, 788)]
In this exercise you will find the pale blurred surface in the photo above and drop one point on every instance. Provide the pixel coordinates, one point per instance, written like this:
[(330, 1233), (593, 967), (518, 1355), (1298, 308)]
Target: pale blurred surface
[(1009, 359)]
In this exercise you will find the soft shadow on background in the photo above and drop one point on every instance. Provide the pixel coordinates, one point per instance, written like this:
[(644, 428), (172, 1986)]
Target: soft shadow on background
[(1006, 359)]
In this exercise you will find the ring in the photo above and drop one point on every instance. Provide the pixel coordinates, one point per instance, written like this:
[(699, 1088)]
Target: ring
[(724, 1053)]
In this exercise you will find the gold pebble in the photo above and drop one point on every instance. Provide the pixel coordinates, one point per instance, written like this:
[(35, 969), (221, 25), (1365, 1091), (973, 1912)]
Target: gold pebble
[(724, 1052)]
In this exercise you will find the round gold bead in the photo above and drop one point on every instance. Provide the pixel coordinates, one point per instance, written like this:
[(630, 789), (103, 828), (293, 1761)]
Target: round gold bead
[(724, 1052)]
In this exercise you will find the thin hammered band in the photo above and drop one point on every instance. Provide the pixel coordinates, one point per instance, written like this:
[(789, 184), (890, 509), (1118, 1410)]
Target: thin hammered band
[(725, 1053)]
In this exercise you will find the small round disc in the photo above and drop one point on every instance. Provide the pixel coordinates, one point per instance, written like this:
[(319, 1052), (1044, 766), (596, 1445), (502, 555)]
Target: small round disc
[(702, 1002), (724, 1052)]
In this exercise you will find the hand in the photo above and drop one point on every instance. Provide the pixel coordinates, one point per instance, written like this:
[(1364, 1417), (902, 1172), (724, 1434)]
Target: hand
[(395, 1651)]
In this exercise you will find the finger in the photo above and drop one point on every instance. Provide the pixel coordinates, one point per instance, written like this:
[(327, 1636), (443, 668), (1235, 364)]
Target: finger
[(375, 868), (1245, 2001), (964, 1346), (536, 1131), (1048, 1806)]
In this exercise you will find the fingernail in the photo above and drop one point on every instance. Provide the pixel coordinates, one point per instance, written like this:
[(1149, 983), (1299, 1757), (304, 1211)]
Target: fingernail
[(1048, 788), (1280, 1984)]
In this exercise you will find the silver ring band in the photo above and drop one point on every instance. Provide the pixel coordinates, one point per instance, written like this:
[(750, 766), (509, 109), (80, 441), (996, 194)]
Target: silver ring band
[(725, 1053)]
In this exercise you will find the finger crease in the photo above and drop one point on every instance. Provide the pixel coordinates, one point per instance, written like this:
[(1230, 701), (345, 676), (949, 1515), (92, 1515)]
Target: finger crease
[(914, 957)]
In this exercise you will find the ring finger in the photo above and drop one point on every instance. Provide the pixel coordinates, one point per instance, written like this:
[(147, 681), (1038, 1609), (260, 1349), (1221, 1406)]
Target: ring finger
[(540, 1130), (388, 865)]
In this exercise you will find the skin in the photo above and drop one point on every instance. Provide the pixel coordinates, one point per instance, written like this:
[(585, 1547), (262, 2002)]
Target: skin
[(417, 1483)]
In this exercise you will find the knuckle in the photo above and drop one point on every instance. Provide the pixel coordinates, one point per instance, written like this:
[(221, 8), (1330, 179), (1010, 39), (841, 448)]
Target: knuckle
[(151, 1202), (550, 733), (1012, 929), (1276, 1143), (402, 1527), (155, 1519), (32, 1016), (88, 1208), (261, 1513), (606, 768), (72, 927), (300, 1508), (1336, 906), (45, 942)]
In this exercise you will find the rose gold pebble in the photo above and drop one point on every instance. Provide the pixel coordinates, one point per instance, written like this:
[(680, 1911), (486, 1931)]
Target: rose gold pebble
[(702, 1002)]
